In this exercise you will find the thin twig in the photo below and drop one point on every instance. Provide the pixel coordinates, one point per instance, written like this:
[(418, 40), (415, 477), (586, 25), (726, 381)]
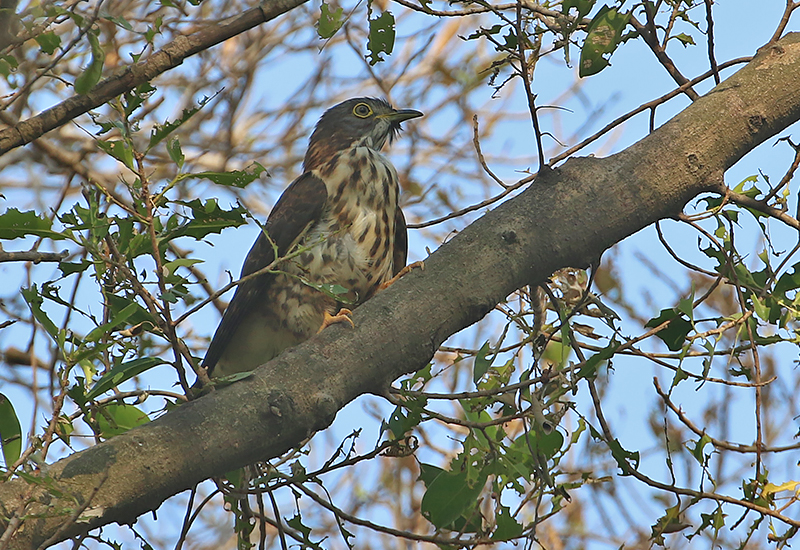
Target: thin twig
[(712, 61), (736, 447)]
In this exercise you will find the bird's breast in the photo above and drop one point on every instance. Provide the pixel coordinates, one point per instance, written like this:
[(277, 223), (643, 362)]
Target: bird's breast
[(353, 242)]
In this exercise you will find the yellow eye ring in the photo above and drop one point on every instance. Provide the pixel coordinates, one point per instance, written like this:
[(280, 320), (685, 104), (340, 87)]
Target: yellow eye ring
[(362, 110)]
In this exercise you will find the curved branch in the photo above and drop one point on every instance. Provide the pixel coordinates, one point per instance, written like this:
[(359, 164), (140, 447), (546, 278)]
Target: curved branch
[(170, 56)]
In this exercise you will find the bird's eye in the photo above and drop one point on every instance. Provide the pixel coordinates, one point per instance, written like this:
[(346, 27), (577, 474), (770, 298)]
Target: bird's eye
[(362, 110)]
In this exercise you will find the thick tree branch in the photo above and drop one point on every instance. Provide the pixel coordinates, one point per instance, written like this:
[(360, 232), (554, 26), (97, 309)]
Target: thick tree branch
[(520, 242), (170, 56)]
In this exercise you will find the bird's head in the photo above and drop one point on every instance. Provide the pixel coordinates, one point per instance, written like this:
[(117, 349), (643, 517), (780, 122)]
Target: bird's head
[(361, 121)]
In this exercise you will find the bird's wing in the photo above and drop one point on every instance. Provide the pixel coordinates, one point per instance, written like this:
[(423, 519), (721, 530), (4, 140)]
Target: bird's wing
[(298, 208), (400, 241)]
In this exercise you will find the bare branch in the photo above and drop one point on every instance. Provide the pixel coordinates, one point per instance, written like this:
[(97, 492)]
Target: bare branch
[(32, 256), (170, 56)]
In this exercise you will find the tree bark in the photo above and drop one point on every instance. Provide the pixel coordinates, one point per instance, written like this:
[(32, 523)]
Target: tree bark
[(520, 242)]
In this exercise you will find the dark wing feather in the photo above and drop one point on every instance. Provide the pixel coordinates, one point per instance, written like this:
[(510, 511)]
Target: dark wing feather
[(298, 208), (400, 254)]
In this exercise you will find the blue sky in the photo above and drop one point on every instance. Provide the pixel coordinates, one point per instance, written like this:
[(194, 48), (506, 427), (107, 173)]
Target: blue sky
[(633, 78)]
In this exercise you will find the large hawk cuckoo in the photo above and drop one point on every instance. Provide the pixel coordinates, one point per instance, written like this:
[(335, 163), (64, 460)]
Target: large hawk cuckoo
[(337, 224)]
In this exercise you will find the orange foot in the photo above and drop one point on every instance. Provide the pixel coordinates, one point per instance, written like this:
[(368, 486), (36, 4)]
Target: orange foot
[(402, 272), (341, 317)]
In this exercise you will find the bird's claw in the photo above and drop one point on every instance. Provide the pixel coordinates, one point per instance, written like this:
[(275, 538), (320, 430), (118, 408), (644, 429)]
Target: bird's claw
[(341, 317), (407, 269)]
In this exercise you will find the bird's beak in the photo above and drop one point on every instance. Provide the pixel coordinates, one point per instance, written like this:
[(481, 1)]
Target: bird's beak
[(396, 117)]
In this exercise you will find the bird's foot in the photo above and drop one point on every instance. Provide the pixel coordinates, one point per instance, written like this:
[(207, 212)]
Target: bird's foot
[(342, 317), (402, 272)]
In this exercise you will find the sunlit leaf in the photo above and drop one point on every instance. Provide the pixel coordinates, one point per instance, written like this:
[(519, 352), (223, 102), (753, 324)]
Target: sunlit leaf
[(15, 224), (120, 150), (603, 36), (330, 20), (449, 496), (684, 39), (48, 42), (10, 432), (175, 152), (121, 373), (381, 37), (35, 302), (235, 178), (161, 131), (482, 362), (405, 418), (506, 527), (115, 419), (91, 75), (674, 334), (206, 217), (583, 7), (697, 450), (8, 64)]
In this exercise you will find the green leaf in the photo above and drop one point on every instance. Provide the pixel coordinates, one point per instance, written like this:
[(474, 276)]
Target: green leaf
[(761, 308), (120, 150), (494, 29), (8, 64), (64, 429), (170, 267), (133, 99), (151, 32), (159, 132), (207, 217), (175, 152), (715, 520), (507, 528), (589, 369), (335, 291), (330, 21), (236, 178), (91, 75), (674, 335), (684, 39), (229, 379), (582, 6), (118, 304), (118, 319), (618, 452), (482, 362), (405, 418), (117, 418), (697, 450), (35, 302), (121, 373), (118, 21), (546, 444), (603, 36), (15, 224), (680, 376), (788, 281), (48, 42), (381, 37), (10, 432), (686, 305), (296, 523), (449, 496), (68, 268), (429, 472)]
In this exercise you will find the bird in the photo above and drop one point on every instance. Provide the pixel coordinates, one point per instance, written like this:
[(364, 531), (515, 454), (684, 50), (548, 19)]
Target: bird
[(339, 223)]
